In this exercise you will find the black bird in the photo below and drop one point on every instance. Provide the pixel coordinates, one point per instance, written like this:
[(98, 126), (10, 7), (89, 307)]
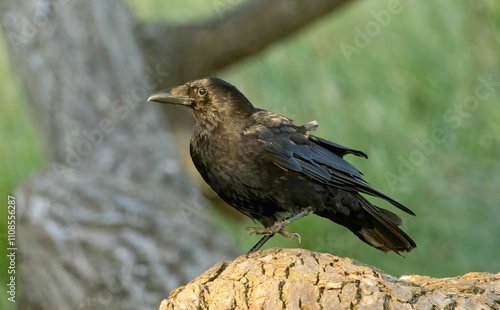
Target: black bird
[(267, 168)]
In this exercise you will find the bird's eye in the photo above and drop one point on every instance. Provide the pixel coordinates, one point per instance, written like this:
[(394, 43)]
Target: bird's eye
[(202, 92)]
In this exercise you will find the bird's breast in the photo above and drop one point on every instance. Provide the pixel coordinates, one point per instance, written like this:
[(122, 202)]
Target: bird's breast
[(229, 164), (215, 154)]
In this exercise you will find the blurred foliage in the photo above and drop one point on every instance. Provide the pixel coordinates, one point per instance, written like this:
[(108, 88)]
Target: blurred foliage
[(416, 73), (20, 151)]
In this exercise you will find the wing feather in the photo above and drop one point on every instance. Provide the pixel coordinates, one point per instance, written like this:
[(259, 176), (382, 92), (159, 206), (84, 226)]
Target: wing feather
[(291, 147), (336, 148), (281, 156)]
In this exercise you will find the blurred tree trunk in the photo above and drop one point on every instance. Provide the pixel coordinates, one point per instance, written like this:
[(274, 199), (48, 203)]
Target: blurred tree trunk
[(113, 222)]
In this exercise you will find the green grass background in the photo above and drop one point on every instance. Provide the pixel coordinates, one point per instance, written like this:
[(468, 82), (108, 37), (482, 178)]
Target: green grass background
[(392, 94)]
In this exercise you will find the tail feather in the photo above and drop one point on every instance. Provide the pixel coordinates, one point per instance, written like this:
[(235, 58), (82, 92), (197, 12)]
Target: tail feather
[(384, 229), (384, 239), (376, 239), (375, 226)]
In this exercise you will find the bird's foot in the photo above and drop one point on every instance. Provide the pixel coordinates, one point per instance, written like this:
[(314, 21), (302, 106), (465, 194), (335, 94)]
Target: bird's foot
[(267, 231), (277, 227), (289, 235)]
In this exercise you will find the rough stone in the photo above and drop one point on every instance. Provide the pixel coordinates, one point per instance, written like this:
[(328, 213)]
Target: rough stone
[(301, 279)]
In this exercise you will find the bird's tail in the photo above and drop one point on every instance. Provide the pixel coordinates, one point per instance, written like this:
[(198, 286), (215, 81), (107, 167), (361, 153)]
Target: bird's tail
[(375, 226), (384, 237)]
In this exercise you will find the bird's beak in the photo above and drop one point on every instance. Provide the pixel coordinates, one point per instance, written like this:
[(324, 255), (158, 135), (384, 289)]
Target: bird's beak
[(166, 96)]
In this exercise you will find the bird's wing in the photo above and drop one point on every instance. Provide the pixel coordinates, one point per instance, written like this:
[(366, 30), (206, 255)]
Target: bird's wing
[(292, 148), (336, 148)]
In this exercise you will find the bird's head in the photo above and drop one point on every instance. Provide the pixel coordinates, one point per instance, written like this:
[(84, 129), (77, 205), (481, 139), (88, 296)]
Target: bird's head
[(208, 98)]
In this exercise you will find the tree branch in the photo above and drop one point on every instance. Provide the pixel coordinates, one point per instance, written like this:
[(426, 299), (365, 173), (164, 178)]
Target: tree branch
[(234, 34)]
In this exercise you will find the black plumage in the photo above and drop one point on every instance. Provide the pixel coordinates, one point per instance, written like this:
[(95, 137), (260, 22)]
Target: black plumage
[(266, 167)]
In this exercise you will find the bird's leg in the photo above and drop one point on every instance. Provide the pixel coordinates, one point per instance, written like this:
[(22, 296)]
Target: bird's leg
[(278, 226), (281, 224), (264, 239), (259, 244)]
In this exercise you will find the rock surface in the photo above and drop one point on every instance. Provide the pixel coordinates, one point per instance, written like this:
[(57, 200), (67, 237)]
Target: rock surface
[(301, 279)]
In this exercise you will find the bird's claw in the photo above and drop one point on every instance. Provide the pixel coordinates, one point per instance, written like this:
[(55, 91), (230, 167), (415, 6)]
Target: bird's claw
[(290, 235), (260, 231), (269, 231)]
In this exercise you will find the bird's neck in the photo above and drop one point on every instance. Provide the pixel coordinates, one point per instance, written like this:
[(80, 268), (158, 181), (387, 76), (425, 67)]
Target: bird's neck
[(220, 123), (215, 129), (218, 134), (209, 141)]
